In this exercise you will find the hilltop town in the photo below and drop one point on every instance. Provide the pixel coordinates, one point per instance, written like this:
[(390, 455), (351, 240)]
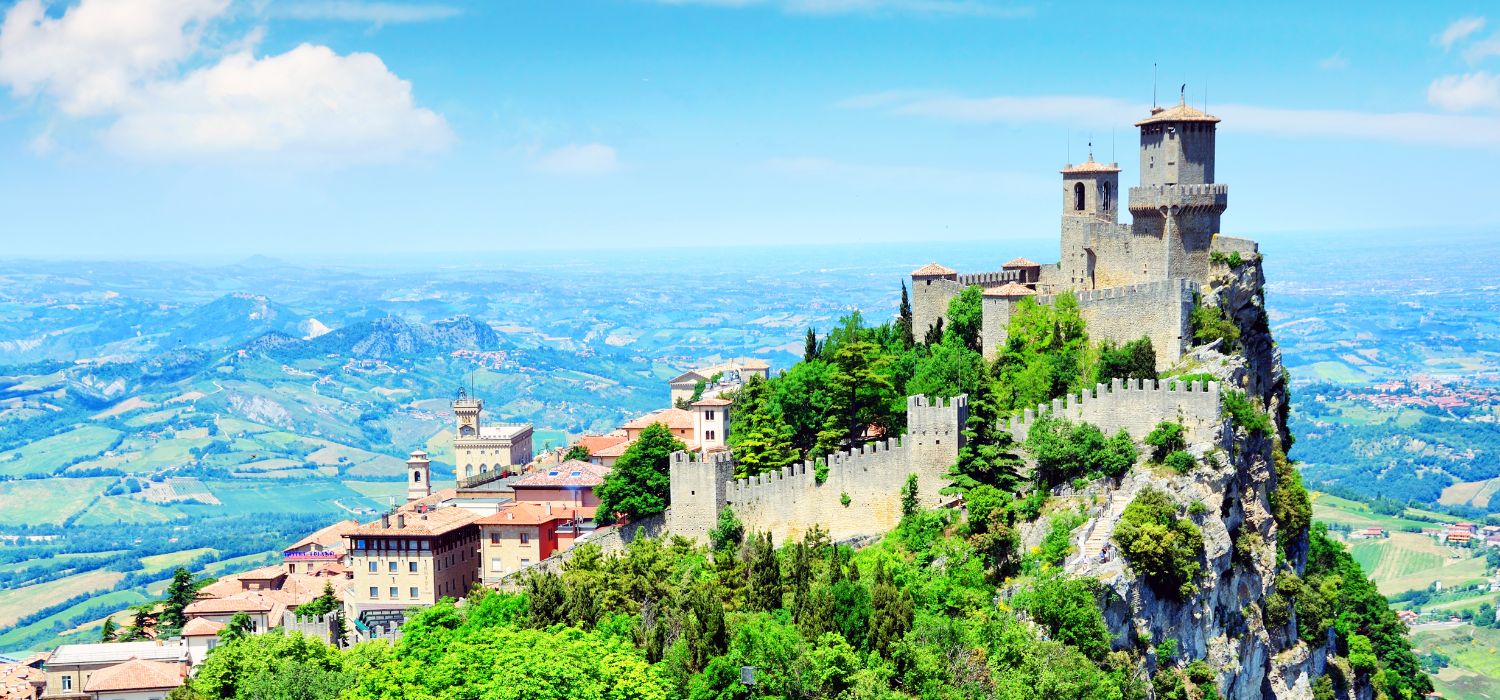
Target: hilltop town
[(1198, 421)]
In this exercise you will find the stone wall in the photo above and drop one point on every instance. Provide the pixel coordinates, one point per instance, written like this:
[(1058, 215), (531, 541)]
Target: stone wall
[(1135, 405), (929, 302), (790, 502), (1160, 311)]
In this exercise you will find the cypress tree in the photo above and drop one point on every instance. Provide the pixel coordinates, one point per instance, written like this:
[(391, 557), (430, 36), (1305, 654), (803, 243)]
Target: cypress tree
[(765, 574), (810, 346), (904, 320)]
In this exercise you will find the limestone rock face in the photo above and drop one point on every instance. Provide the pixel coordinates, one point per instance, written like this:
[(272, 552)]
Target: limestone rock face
[(1222, 623)]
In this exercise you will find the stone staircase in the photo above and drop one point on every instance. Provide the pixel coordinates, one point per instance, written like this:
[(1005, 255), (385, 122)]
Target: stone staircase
[(1103, 526)]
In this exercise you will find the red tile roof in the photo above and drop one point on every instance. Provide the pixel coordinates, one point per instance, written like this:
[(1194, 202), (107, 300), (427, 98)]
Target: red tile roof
[(525, 513), (1180, 113), (1089, 166), (430, 524), (135, 674), (713, 402), (570, 473), (594, 443), (201, 627), (1018, 263), (1010, 289), (933, 269), (674, 418)]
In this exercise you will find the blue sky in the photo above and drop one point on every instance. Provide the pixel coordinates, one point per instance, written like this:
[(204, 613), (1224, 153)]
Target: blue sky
[(192, 128)]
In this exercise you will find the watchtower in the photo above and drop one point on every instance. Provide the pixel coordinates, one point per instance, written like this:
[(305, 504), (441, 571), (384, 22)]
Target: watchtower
[(1092, 189), (418, 476), (466, 410), (1176, 209)]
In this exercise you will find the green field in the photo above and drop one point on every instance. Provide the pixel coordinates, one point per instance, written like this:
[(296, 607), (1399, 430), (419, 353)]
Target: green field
[(23, 601), (1406, 561), (87, 633), (269, 496), (48, 501), (46, 455), (167, 562), (124, 509), (1474, 660)]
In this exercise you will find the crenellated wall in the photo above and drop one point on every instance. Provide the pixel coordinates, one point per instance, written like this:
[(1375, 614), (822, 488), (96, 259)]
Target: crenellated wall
[(789, 502), (989, 279), (1135, 405), (1161, 311)]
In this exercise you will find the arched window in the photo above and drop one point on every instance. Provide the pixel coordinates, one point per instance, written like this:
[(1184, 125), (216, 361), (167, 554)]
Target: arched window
[(1104, 195), (1078, 197), (416, 477)]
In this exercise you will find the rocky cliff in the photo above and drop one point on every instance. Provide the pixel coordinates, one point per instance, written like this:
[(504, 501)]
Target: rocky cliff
[(1223, 622)]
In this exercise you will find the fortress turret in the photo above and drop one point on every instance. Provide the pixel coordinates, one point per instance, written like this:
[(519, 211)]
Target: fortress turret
[(1176, 209), (1092, 189)]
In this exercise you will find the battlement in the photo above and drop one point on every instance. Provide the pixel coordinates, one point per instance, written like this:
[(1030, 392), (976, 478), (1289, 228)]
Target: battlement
[(990, 279), (1136, 405), (1171, 289), (1156, 197)]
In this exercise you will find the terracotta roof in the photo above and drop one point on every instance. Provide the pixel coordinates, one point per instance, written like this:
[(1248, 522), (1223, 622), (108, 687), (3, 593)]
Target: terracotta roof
[(570, 473), (751, 363), (674, 418), (432, 523), (248, 601), (18, 681), (713, 402), (594, 443), (614, 450), (1089, 166), (330, 537), (1019, 263), (688, 376), (932, 269), (135, 674), (201, 627), (436, 498), (1180, 113), (525, 513), (1010, 289)]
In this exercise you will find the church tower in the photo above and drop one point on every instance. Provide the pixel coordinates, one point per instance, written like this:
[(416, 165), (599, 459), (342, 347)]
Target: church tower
[(1176, 209), (1090, 214), (466, 410), (418, 476)]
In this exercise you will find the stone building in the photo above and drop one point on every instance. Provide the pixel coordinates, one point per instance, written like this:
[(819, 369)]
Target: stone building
[(411, 558), (483, 452), (72, 668), (1133, 280)]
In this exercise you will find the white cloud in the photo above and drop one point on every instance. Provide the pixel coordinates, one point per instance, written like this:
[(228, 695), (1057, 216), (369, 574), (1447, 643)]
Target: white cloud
[(1462, 93), (43, 144), (92, 57), (579, 159), (1091, 111), (1459, 30), (123, 59), (1334, 62), (310, 102), (970, 8), (1482, 49), (371, 12)]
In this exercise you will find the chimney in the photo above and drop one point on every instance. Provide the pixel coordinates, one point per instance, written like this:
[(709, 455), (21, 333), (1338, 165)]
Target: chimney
[(401, 520)]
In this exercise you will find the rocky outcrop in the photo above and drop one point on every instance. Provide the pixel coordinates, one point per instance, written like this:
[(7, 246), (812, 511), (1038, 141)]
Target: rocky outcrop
[(1223, 622)]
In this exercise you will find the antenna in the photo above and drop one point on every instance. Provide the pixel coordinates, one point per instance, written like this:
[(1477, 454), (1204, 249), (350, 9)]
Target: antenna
[(1153, 86), (1070, 148), (1112, 157)]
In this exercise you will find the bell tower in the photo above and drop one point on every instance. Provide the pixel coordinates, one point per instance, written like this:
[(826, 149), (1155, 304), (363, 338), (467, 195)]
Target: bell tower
[(1176, 210), (466, 410), (1090, 212), (418, 476)]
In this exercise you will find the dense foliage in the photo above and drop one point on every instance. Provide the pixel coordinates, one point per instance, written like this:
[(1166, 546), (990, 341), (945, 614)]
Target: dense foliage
[(1133, 360), (1064, 450), (639, 485), (1162, 546)]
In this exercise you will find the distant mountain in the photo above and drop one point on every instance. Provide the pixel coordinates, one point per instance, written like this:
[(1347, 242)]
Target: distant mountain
[(388, 338), (100, 384), (230, 320)]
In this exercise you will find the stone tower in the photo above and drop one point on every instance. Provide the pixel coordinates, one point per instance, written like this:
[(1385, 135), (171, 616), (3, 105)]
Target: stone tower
[(699, 487), (1090, 223), (1176, 209), (418, 476), (466, 410)]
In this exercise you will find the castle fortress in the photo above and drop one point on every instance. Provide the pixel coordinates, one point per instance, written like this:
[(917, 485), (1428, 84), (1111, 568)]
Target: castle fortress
[(1131, 280)]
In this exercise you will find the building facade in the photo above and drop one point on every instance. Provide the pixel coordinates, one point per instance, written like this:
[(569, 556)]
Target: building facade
[(479, 449), (411, 558)]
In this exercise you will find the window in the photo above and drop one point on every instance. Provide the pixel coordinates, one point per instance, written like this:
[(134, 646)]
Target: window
[(395, 592), (359, 544), (374, 591), (411, 566), (67, 682), (416, 477), (710, 434), (494, 538), (525, 563), (1078, 191), (391, 567), (291, 568), (424, 545), (373, 567), (708, 415), (414, 593), (525, 538)]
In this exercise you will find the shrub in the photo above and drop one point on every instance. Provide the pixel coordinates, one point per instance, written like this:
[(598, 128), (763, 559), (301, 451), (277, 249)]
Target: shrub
[(1197, 508), (1134, 360), (1167, 650), (1167, 437), (1245, 413), (1161, 547), (1064, 450), (844, 498), (1209, 323), (1069, 609), (1361, 653), (1181, 461), (1186, 379), (1056, 545), (1233, 261)]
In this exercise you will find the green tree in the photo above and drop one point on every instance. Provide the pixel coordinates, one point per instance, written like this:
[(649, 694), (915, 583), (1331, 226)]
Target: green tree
[(639, 485), (810, 407), (1044, 353), (1069, 609), (904, 320), (107, 630), (1163, 548), (910, 500), (142, 622), (1135, 360), (891, 612), (275, 666), (966, 317), (180, 593), (240, 625), (728, 533), (762, 440), (1167, 437), (579, 452), (1064, 450), (858, 381), (765, 574), (810, 348), (547, 600)]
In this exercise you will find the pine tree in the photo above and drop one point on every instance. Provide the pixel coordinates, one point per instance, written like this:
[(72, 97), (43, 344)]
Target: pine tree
[(761, 440), (142, 621), (989, 454), (810, 348), (180, 594), (934, 334), (107, 632), (904, 321), (891, 613), (910, 499), (547, 600), (765, 574)]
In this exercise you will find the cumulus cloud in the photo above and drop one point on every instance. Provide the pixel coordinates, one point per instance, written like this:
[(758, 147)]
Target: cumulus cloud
[(1463, 93), (970, 8), (1459, 30), (1093, 111), (93, 57), (579, 159), (123, 60), (371, 12)]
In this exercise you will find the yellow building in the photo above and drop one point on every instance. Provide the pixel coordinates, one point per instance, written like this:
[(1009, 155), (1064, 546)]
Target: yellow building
[(410, 558), (72, 667), (479, 449)]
